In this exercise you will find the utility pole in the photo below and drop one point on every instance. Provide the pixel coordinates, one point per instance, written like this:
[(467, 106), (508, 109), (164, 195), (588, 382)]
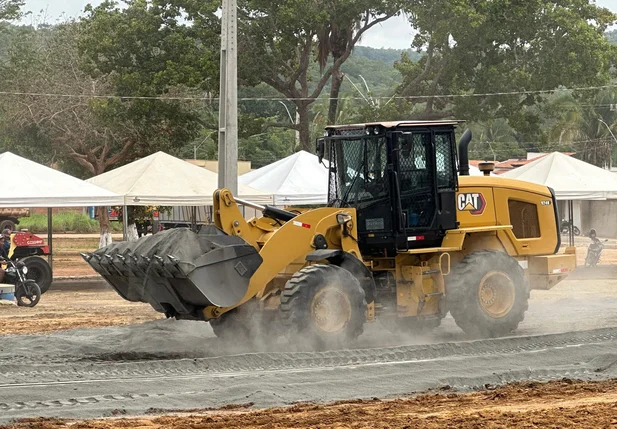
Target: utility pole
[(610, 158), (228, 101)]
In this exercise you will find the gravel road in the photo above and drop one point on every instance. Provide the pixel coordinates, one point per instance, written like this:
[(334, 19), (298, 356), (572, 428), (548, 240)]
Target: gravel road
[(570, 331)]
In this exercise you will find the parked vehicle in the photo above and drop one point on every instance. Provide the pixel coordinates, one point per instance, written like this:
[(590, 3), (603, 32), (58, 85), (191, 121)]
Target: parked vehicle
[(29, 249), (9, 218), (594, 250), (27, 291), (566, 225)]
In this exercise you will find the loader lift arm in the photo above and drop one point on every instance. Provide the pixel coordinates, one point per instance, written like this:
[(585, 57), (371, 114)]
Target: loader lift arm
[(282, 238)]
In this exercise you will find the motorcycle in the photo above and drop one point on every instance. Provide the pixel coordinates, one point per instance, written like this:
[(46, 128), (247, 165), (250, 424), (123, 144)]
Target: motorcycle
[(594, 250), (27, 291), (566, 225)]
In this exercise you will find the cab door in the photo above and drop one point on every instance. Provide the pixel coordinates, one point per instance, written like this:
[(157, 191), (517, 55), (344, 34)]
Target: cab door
[(426, 174)]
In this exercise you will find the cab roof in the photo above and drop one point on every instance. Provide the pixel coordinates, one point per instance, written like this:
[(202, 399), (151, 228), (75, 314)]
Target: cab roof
[(394, 124)]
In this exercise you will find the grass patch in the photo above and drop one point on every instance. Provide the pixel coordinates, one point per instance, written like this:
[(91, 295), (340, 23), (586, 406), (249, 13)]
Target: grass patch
[(79, 223)]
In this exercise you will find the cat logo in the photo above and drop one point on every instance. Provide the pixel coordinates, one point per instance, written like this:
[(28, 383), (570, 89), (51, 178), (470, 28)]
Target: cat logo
[(472, 203)]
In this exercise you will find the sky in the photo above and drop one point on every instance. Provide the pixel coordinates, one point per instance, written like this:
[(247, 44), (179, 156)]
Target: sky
[(395, 33)]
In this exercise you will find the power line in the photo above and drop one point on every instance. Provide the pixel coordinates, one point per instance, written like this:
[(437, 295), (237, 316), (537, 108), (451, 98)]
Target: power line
[(216, 99)]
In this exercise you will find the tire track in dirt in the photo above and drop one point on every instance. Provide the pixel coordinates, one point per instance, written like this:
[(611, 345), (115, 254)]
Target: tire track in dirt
[(98, 368), (93, 400)]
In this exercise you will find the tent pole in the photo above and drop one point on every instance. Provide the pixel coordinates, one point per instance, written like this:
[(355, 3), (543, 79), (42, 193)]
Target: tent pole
[(125, 221), (50, 258), (571, 215)]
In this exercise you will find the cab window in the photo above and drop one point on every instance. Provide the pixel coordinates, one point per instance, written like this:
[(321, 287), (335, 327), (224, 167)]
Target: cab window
[(524, 219)]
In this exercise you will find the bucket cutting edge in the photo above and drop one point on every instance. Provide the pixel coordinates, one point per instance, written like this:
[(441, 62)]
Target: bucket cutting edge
[(179, 272)]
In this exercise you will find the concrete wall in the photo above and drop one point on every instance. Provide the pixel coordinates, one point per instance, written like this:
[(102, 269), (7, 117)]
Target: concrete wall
[(601, 215)]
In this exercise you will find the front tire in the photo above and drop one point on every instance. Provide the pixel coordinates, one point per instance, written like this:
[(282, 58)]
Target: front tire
[(28, 294), (237, 325), (487, 294), (323, 306)]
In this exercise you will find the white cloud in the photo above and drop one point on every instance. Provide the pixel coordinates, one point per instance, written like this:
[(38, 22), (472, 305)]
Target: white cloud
[(394, 33)]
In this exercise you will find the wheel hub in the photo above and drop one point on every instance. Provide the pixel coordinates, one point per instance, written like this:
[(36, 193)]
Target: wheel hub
[(496, 294), (331, 309)]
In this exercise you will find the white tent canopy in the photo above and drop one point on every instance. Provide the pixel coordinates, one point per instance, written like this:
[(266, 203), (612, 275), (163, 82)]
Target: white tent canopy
[(161, 179), (571, 178), (28, 184), (295, 180)]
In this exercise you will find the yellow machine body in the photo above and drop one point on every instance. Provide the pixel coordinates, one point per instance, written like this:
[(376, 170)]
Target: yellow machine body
[(494, 213), (483, 254)]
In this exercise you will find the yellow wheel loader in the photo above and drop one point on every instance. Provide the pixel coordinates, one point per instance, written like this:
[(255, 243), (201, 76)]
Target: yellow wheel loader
[(406, 238)]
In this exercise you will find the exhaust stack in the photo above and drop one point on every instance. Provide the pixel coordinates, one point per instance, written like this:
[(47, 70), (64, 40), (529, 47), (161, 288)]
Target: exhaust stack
[(463, 153)]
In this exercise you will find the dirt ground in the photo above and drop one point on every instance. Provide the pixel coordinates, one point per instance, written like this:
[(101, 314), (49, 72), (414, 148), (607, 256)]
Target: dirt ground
[(559, 404), (72, 308), (69, 309), (66, 251)]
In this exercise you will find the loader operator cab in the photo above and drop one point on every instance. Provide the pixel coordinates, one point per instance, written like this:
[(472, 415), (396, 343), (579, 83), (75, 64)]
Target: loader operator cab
[(401, 177)]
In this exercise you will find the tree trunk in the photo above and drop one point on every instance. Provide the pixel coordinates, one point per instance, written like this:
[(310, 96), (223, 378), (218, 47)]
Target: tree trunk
[(132, 232), (305, 129), (337, 81), (105, 239)]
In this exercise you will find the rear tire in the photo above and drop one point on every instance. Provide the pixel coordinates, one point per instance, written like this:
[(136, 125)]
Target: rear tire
[(577, 231), (323, 306), (487, 294), (39, 271)]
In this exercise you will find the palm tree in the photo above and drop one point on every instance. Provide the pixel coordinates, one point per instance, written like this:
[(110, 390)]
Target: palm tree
[(585, 126)]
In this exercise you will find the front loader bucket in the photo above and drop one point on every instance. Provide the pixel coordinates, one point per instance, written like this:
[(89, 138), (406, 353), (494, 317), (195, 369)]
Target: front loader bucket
[(178, 271)]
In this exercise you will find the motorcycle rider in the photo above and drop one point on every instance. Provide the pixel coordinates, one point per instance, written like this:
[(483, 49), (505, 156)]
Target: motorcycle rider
[(6, 234), (594, 236), (3, 253), (594, 249)]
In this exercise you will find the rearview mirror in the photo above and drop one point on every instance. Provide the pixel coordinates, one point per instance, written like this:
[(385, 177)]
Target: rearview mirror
[(321, 148)]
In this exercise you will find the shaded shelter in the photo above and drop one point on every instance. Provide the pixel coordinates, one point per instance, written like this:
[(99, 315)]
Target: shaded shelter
[(29, 184)]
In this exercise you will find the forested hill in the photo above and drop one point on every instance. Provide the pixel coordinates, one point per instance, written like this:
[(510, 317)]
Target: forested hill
[(388, 56)]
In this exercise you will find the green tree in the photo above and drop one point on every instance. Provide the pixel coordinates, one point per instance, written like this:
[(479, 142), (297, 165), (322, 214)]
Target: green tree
[(10, 9), (483, 47), (494, 140), (584, 126), (67, 112), (147, 48), (337, 38), (278, 45)]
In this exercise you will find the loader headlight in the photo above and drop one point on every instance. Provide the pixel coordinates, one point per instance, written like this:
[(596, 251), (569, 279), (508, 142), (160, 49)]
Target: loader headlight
[(343, 218), (24, 270)]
